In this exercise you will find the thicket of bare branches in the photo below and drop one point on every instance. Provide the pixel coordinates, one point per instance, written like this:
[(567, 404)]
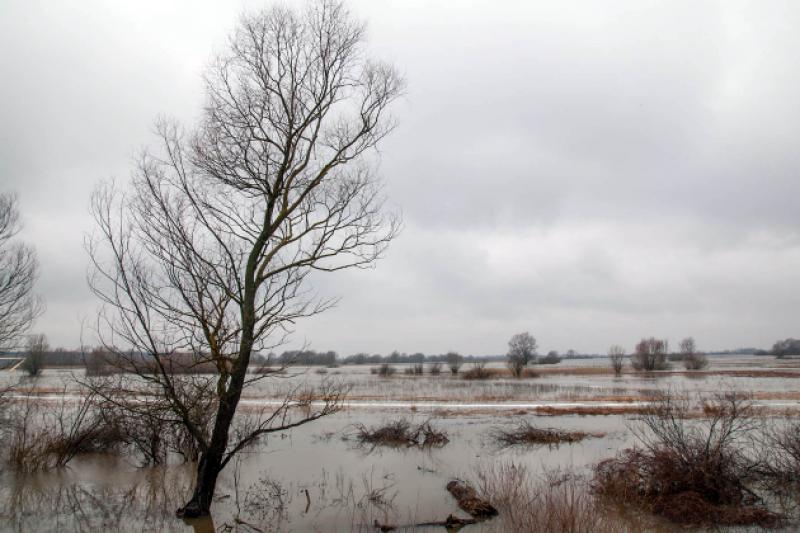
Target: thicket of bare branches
[(692, 359), (40, 436), (689, 470), (521, 351), (19, 306), (209, 251), (554, 501), (35, 348), (650, 354), (616, 355), (454, 362)]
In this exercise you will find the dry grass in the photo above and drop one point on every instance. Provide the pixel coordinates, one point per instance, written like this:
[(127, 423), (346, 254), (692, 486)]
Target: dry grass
[(554, 502), (589, 410), (481, 372)]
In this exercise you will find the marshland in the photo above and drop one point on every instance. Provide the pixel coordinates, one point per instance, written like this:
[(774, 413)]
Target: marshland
[(537, 447)]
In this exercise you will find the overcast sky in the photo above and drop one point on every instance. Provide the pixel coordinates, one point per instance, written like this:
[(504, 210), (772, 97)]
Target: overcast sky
[(589, 173)]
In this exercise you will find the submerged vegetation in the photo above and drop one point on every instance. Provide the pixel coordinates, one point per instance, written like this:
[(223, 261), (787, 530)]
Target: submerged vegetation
[(692, 470), (526, 434), (401, 433)]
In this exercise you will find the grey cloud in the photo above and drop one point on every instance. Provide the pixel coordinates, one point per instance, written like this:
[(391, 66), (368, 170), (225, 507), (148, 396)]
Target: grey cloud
[(589, 173)]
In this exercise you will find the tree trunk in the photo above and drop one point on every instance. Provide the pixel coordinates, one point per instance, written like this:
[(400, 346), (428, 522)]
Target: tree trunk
[(207, 471), (210, 463)]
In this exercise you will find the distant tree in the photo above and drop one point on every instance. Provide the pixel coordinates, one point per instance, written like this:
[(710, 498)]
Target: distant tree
[(454, 362), (786, 347), (692, 359), (650, 354), (35, 349), (571, 353), (521, 351), (617, 356), (19, 307)]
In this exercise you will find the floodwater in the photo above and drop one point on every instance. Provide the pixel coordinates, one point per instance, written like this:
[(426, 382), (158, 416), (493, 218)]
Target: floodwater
[(318, 478)]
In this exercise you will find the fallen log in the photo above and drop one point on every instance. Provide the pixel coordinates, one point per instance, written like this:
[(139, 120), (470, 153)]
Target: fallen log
[(452, 522)]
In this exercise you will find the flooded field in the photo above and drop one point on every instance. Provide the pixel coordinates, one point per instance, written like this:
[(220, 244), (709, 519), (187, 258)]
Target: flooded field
[(319, 477)]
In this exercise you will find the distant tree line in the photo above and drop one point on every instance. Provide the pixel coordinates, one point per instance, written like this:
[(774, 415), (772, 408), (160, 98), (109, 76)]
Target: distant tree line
[(401, 358)]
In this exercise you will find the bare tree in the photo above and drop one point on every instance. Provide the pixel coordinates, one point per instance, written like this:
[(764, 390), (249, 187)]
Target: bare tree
[(19, 307), (650, 354), (692, 359), (617, 356), (36, 348), (454, 362), (521, 351), (209, 253)]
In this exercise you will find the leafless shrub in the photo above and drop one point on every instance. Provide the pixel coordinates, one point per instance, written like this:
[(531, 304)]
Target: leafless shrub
[(780, 445), (385, 370), (36, 347), (692, 359), (526, 434), (478, 371), (435, 369), (690, 471), (558, 502), (695, 361), (402, 433), (454, 362), (617, 356), (97, 363), (42, 437)]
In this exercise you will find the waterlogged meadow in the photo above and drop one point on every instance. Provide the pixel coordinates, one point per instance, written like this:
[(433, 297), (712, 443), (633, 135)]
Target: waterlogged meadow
[(530, 447)]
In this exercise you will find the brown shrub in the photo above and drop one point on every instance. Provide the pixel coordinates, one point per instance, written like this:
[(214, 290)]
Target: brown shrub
[(692, 472), (385, 370), (41, 436), (695, 361), (479, 371), (402, 433)]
